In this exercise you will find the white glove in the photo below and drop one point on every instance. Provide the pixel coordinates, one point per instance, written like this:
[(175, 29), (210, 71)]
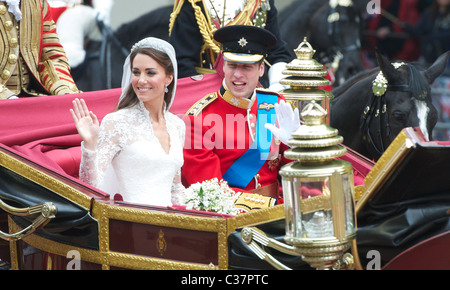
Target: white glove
[(14, 8), (275, 74), (103, 10), (288, 122)]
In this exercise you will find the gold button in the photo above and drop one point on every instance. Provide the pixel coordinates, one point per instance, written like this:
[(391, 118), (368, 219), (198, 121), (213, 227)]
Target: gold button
[(6, 74), (8, 25), (257, 176), (13, 42), (252, 125), (12, 58), (2, 9)]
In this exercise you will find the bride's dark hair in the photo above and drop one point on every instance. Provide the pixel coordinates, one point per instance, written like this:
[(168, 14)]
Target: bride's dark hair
[(130, 99)]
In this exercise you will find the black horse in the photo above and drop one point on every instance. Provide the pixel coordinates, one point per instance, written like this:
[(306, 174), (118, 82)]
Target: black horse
[(369, 116), (334, 32)]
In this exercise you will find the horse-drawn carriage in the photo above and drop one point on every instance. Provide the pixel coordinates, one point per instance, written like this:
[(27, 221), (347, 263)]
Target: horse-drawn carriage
[(51, 220)]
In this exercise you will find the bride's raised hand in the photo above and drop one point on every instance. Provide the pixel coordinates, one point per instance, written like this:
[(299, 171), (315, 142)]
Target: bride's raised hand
[(86, 123)]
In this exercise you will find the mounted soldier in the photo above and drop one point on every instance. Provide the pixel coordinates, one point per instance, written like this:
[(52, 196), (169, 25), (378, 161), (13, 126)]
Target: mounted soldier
[(193, 23), (79, 22), (34, 62)]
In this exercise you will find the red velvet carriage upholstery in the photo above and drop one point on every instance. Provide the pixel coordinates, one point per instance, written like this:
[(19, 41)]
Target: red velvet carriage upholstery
[(44, 131), (42, 127)]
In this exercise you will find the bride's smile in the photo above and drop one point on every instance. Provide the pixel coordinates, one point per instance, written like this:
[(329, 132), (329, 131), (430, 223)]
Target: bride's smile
[(149, 80)]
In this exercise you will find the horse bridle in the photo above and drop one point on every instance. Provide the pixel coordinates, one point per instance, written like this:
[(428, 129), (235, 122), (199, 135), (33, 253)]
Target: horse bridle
[(377, 106), (336, 50), (105, 50)]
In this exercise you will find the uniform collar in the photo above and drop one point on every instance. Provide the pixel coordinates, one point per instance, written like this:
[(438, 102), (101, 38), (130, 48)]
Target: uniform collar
[(241, 103)]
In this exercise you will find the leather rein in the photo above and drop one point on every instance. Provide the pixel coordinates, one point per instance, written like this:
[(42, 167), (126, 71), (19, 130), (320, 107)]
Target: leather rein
[(375, 111)]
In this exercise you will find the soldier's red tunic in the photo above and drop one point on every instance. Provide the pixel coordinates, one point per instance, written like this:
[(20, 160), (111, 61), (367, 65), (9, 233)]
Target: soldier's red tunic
[(219, 129)]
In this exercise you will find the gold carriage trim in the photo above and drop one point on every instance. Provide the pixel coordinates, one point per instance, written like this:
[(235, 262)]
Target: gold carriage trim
[(252, 201), (111, 259), (384, 167), (105, 212)]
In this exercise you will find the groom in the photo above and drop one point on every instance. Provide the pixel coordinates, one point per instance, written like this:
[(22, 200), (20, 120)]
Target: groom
[(227, 135)]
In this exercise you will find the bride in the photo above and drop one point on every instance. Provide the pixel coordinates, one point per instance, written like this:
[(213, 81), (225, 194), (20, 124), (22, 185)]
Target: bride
[(137, 151)]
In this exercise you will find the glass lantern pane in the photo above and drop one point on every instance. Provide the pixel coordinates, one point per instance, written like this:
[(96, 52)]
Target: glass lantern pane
[(318, 224), (288, 206), (292, 207), (317, 219), (347, 184)]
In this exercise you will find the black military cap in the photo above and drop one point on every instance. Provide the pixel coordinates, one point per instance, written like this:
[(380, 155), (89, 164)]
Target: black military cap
[(244, 43)]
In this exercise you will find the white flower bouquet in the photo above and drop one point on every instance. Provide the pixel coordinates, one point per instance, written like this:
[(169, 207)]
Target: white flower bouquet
[(211, 195)]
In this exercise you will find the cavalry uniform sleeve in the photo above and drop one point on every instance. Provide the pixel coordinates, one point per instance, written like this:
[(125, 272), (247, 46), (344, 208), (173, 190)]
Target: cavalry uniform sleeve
[(53, 67), (280, 53)]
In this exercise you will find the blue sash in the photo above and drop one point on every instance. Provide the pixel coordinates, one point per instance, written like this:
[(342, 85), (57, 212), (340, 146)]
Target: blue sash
[(243, 169)]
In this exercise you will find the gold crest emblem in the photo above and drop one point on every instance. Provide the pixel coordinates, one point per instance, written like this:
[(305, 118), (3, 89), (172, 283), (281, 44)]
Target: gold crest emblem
[(161, 244), (266, 106)]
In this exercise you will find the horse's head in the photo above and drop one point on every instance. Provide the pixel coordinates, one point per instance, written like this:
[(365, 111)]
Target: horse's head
[(343, 30), (401, 98), (333, 28)]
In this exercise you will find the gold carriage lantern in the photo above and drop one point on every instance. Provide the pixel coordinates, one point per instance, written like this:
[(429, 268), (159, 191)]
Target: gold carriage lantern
[(305, 76), (318, 192), (318, 188)]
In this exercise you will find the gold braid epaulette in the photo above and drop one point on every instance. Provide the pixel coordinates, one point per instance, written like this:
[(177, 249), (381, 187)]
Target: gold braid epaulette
[(198, 107), (176, 10), (205, 29), (205, 25)]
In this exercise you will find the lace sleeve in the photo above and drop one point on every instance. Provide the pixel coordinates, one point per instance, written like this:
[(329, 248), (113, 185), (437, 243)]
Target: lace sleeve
[(177, 186), (94, 164), (180, 126), (177, 190)]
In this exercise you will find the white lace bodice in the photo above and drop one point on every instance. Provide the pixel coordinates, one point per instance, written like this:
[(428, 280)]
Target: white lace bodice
[(130, 160)]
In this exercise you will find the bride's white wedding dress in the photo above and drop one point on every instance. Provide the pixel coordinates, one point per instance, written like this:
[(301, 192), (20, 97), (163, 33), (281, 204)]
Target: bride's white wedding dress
[(142, 171)]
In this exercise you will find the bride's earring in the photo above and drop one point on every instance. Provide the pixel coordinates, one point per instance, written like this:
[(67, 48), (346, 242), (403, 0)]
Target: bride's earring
[(166, 90)]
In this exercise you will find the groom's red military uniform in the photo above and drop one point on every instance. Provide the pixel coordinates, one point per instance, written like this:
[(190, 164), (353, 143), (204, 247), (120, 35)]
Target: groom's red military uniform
[(220, 129), (226, 135)]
